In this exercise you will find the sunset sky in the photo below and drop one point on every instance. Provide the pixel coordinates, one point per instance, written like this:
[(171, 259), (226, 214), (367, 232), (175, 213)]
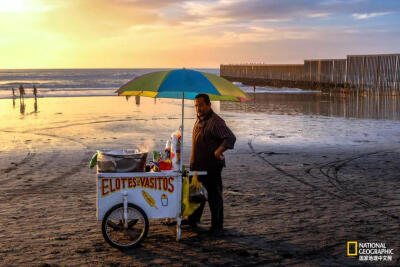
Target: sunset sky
[(195, 33)]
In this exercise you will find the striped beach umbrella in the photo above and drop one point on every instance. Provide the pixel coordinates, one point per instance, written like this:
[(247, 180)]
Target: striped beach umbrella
[(180, 83)]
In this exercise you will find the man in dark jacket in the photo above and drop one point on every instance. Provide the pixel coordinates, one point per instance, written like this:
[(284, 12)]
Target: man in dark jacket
[(211, 137)]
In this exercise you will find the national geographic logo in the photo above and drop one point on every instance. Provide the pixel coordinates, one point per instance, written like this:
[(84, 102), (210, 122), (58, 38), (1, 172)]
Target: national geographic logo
[(367, 251), (351, 248)]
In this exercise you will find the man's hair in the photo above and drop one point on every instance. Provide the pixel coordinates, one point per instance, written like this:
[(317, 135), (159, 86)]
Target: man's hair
[(205, 97)]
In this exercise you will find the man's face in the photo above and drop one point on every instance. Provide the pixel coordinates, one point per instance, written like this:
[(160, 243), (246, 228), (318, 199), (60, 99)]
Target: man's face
[(201, 107)]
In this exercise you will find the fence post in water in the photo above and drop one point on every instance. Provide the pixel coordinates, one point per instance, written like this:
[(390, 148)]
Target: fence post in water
[(396, 77), (346, 73), (319, 73), (362, 73), (378, 80)]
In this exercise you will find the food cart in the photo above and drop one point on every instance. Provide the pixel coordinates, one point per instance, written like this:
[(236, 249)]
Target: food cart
[(126, 202)]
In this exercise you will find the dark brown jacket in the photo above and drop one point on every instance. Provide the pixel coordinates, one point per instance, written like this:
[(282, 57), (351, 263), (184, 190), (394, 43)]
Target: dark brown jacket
[(208, 134)]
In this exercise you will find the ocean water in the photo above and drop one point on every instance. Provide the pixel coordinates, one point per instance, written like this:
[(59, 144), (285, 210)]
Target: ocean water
[(56, 83), (86, 82)]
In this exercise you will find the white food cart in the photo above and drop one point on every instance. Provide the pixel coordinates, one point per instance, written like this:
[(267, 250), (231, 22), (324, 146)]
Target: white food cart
[(126, 202)]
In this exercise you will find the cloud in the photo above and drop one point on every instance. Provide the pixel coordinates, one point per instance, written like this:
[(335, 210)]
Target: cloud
[(152, 4), (369, 15), (277, 11), (85, 20), (319, 15)]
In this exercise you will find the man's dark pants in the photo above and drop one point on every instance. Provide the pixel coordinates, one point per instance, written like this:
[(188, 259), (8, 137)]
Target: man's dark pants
[(213, 183)]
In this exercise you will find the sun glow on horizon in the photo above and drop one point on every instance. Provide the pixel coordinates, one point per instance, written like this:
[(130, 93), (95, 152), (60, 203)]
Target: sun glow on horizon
[(12, 6)]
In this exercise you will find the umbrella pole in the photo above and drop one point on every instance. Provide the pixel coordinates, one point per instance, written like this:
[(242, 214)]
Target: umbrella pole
[(179, 217), (183, 115)]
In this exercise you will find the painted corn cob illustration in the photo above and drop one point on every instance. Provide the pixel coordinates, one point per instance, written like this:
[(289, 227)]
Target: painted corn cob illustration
[(149, 199)]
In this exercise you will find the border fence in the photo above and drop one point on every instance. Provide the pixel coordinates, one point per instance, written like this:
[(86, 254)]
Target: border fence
[(370, 74)]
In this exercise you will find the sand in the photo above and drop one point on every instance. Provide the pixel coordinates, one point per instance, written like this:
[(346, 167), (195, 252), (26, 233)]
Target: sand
[(296, 187)]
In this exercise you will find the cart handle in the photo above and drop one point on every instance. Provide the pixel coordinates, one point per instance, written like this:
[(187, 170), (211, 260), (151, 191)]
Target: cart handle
[(145, 174), (191, 173)]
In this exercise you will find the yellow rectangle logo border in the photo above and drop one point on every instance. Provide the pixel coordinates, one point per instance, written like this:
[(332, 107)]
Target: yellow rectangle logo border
[(348, 248)]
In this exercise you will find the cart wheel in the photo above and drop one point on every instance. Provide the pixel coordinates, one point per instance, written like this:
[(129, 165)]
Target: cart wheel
[(122, 236)]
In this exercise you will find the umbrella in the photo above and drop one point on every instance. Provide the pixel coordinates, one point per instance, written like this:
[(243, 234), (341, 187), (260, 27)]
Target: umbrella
[(182, 84)]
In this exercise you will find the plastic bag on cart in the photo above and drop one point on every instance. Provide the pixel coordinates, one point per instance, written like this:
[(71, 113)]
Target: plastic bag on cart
[(197, 192), (187, 207)]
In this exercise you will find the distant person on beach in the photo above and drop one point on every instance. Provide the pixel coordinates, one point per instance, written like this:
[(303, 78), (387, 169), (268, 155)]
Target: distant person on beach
[(21, 92), (13, 92), (34, 91), (211, 137)]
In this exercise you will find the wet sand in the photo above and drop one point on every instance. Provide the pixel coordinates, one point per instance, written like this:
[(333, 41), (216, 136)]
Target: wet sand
[(296, 188)]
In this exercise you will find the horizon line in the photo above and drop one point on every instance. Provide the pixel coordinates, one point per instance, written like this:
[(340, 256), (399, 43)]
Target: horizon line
[(86, 68)]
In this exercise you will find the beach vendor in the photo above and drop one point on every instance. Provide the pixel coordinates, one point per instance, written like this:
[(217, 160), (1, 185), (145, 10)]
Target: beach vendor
[(211, 137)]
